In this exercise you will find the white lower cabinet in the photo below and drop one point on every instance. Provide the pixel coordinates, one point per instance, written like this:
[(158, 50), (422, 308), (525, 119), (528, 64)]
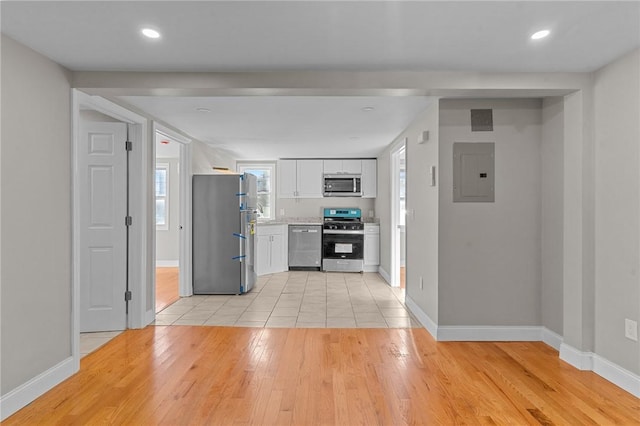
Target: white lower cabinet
[(371, 247), (271, 249)]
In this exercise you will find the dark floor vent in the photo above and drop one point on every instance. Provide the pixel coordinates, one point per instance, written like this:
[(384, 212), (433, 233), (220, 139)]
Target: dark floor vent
[(482, 120)]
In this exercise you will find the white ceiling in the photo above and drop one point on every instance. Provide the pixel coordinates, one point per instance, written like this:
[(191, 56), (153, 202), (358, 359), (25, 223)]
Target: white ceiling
[(269, 127), (328, 35)]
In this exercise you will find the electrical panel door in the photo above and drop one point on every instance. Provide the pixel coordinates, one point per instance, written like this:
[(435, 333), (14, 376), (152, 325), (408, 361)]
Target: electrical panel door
[(473, 172)]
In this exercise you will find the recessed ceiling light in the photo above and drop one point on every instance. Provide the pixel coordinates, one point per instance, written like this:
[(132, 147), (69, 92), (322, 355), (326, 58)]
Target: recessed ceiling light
[(201, 109), (540, 34), (368, 109), (148, 32)]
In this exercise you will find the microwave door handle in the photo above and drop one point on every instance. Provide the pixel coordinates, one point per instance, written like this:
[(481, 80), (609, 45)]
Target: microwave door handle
[(354, 185)]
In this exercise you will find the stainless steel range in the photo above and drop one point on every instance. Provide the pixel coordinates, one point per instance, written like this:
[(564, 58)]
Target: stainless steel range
[(342, 240)]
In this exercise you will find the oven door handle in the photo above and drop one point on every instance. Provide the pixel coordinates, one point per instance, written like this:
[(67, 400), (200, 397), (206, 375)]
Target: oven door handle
[(343, 232)]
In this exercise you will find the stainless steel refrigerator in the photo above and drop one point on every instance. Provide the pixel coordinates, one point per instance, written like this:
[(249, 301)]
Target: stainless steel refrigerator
[(224, 219)]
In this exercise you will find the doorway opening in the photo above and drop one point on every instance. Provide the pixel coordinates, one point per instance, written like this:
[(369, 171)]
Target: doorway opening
[(398, 215), (109, 274), (167, 214), (172, 190)]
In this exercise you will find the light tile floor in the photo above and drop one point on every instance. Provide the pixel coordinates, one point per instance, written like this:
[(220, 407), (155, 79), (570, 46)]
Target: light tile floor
[(299, 299), (89, 342)]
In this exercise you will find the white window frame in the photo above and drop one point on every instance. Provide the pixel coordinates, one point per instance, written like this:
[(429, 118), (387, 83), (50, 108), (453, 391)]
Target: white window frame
[(167, 168), (242, 166)]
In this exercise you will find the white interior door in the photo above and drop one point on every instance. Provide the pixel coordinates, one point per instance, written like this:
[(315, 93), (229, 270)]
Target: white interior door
[(103, 207)]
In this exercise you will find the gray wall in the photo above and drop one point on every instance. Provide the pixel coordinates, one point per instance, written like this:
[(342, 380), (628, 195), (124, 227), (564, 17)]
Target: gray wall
[(36, 215), (489, 258), (578, 295), (168, 241), (422, 199), (552, 170), (617, 205), (422, 223)]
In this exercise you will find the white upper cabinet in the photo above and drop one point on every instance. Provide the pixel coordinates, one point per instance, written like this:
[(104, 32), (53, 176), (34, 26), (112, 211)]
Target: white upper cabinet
[(287, 178), (309, 178), (304, 178), (300, 178), (353, 167), (369, 178)]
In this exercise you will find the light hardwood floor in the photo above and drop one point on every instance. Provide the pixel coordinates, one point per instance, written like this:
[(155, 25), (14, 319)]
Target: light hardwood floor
[(166, 287), (182, 375)]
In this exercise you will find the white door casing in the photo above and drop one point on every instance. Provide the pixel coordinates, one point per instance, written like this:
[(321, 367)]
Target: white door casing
[(185, 287), (103, 207), (396, 152)]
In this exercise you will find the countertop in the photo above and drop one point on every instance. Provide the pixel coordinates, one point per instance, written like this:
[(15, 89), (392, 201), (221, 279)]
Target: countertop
[(293, 221)]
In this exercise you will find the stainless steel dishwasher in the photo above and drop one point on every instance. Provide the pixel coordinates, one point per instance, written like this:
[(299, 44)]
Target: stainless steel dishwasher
[(305, 246)]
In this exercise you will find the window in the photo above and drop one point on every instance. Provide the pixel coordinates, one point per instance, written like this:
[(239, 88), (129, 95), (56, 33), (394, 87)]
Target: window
[(265, 174), (162, 197)]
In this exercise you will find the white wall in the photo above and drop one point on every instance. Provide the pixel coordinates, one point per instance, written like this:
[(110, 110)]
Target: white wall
[(168, 241), (552, 156), (36, 215), (204, 158), (617, 215), (489, 254)]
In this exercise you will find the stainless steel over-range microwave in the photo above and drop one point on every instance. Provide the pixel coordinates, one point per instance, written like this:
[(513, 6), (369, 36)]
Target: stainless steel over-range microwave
[(342, 185)]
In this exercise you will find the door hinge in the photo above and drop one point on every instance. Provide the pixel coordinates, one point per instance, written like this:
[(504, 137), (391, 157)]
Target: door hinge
[(128, 220), (128, 146), (127, 296)]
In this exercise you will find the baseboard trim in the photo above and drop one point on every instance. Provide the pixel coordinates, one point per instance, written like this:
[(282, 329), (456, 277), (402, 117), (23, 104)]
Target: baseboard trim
[(384, 275), (551, 338), (449, 333), (422, 316), (580, 360), (604, 368), (617, 375), (484, 333), (167, 263), (370, 268), (29, 391), (588, 361), (149, 317)]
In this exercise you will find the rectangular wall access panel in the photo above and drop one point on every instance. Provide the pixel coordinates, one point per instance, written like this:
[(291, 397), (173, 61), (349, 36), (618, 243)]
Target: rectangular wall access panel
[(473, 172)]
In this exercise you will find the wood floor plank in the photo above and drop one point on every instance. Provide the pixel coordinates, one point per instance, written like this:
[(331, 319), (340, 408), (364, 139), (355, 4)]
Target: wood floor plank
[(167, 282), (185, 375)]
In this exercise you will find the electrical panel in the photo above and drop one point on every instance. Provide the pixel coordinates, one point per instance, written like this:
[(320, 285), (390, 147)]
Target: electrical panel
[(473, 172)]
